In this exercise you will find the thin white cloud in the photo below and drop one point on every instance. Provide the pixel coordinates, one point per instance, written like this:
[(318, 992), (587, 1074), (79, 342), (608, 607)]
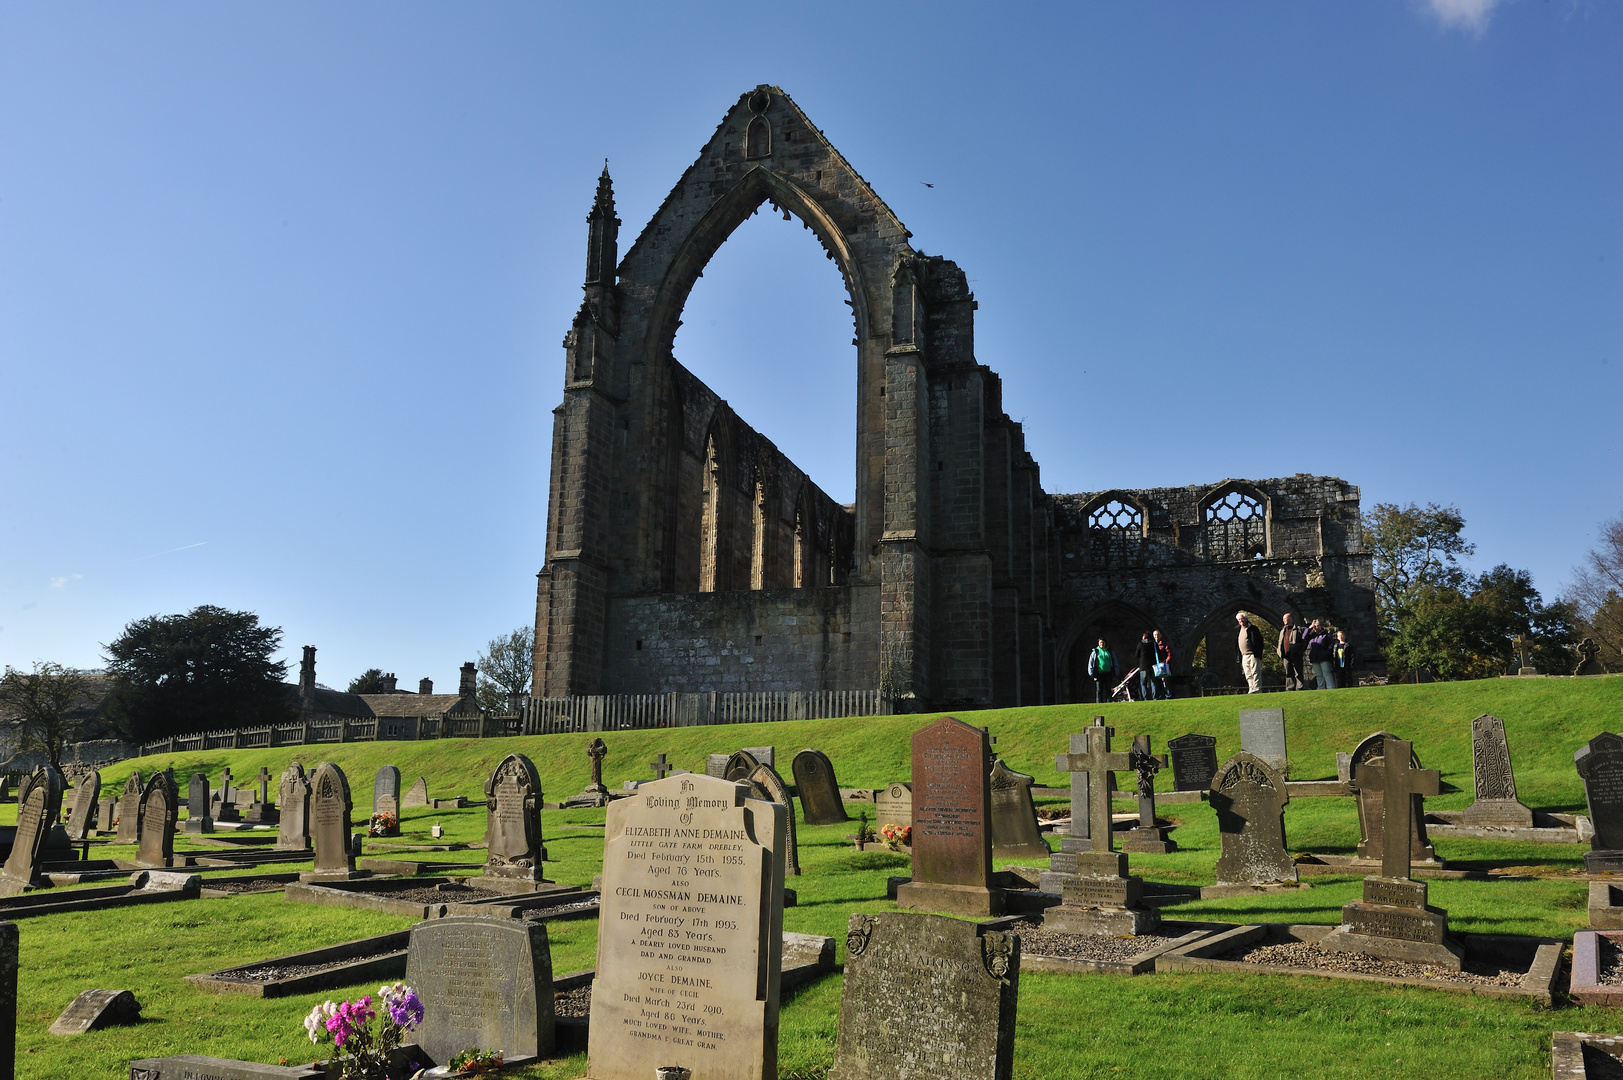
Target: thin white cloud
[(62, 582), (1468, 15)]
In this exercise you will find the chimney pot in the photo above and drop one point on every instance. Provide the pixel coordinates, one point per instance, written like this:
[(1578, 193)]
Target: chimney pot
[(425, 686), (469, 680)]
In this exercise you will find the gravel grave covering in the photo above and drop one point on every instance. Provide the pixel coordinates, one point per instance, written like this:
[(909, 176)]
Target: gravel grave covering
[(242, 885), (576, 1002), (1609, 968), (451, 893), (1305, 954), (1035, 941), (534, 914), (289, 971)]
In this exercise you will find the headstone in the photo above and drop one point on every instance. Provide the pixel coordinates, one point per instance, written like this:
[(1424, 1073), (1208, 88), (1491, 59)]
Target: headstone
[(197, 805), (85, 794), (1371, 801), (96, 1009), (1249, 796), (484, 983), (1524, 651), (8, 1000), (1590, 665), (1147, 836), (716, 765), (386, 796), (1393, 920), (330, 813), (1194, 761), (39, 801), (199, 1067), (293, 797), (226, 798), (417, 795), (926, 997), (1600, 767), (160, 808), (689, 950), (766, 755), (1496, 802), (765, 783), (739, 766), (893, 805), (952, 834), (1262, 732), (595, 793), (1015, 834), (262, 783), (513, 851), (820, 802), (261, 810), (661, 767), (129, 811), (107, 814)]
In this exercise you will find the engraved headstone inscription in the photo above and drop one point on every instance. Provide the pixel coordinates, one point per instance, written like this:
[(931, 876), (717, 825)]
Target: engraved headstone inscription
[(689, 951), (129, 810), (1262, 732), (1249, 797), (1194, 761), (39, 800), (820, 801), (85, 794), (1015, 834), (1600, 767), (330, 815), (952, 835), (893, 805), (1371, 800), (926, 997), (197, 805), (160, 809), (1495, 782), (293, 796), (513, 851), (386, 797), (484, 983)]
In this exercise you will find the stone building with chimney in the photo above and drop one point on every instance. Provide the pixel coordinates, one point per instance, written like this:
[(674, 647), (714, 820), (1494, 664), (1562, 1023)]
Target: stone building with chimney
[(399, 713)]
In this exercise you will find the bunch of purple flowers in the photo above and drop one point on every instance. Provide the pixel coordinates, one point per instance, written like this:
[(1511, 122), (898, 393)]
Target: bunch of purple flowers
[(361, 1053)]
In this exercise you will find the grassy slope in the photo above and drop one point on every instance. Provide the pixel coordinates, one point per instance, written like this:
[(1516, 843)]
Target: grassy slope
[(1242, 1027)]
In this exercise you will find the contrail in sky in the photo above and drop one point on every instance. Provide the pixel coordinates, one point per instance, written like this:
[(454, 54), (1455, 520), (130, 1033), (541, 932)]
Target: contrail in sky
[(171, 551)]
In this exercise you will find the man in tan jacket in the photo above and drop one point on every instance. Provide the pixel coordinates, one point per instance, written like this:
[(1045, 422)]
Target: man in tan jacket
[(1250, 649)]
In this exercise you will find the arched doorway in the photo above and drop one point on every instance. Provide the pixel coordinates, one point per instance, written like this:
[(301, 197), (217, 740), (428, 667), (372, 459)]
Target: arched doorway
[(1214, 652), (1120, 625)]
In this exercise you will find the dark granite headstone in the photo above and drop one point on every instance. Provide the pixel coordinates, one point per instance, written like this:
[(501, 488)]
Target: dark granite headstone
[(1262, 732), (85, 794), (8, 1000), (952, 835), (330, 815), (39, 801), (925, 998), (1194, 761), (197, 805), (765, 783), (1249, 796), (1600, 767), (95, 1009), (1495, 782), (386, 792), (513, 823), (160, 808), (820, 801), (293, 798), (418, 793), (1015, 834), (129, 811), (1371, 801), (484, 983)]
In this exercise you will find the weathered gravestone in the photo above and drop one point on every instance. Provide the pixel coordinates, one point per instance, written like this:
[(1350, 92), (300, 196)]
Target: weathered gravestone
[(1194, 761), (893, 805), (160, 809), (129, 810), (386, 797), (225, 800), (820, 801), (513, 850), (765, 783), (1600, 766), (330, 815), (83, 814), (1015, 834), (484, 983), (417, 795), (739, 766), (1371, 801), (1062, 863), (261, 811), (1393, 920), (1147, 836), (8, 1000), (39, 801), (197, 805), (107, 814), (293, 796), (952, 834), (1495, 782), (1249, 796), (96, 1009), (1591, 664), (716, 765), (594, 793), (689, 948), (926, 997), (1262, 732)]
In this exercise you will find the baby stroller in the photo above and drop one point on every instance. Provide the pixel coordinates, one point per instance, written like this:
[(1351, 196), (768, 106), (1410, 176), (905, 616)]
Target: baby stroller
[(1123, 691)]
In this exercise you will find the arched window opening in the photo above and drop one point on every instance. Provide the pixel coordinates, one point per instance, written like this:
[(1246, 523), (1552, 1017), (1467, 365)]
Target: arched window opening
[(1115, 533), (708, 524), (758, 542), (1116, 514), (758, 138), (800, 548), (1236, 527)]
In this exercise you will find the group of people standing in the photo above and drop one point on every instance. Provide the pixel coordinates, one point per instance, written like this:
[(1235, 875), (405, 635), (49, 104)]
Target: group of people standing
[(1152, 658), (1327, 652)]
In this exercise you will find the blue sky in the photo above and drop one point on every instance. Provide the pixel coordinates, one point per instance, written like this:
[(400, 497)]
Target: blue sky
[(282, 287)]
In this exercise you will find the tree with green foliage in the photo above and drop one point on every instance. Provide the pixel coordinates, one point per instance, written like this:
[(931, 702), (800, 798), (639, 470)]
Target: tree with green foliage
[(1415, 550), (49, 707), (1596, 594), (369, 681), (505, 669), (208, 668)]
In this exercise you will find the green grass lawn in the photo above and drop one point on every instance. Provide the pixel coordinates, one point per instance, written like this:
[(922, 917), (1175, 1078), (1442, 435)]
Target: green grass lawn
[(1104, 1026)]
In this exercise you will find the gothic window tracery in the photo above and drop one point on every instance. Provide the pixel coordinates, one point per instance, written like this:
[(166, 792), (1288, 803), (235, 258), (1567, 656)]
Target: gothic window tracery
[(1115, 531), (1236, 527)]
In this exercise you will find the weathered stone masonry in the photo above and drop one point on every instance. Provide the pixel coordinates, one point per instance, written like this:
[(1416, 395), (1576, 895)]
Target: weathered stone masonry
[(685, 552)]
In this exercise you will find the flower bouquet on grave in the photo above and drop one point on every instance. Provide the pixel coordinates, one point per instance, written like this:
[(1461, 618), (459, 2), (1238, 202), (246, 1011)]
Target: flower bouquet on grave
[(896, 837), (472, 1062), (383, 824), (360, 1051)]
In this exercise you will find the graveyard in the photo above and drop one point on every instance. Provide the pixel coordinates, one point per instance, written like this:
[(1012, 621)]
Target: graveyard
[(1160, 1023)]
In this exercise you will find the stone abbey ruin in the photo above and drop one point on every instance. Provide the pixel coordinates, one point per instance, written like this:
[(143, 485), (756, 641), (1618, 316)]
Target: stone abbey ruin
[(686, 553)]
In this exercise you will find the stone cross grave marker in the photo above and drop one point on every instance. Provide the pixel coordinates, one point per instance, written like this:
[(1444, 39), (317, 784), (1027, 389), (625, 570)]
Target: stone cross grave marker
[(263, 780), (661, 767), (484, 983), (1524, 651), (513, 849), (1600, 767), (160, 809), (197, 805), (331, 809), (39, 800), (1015, 833), (386, 796), (1495, 782), (85, 794), (926, 997), (1371, 800), (1590, 664), (227, 798), (596, 751), (690, 946), (417, 795), (820, 801), (1393, 921), (765, 783), (129, 811), (1262, 732), (9, 942), (261, 811), (1097, 896), (1249, 796), (952, 835), (1147, 836), (293, 797), (1194, 761), (893, 805)]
